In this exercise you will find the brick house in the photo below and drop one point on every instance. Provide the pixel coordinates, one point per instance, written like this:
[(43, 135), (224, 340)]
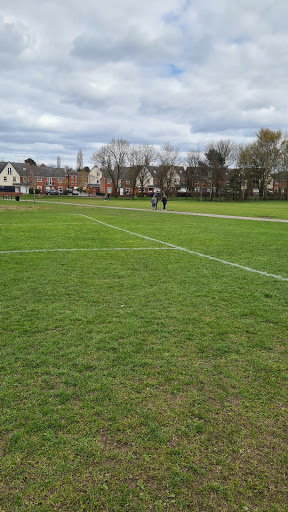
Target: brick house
[(106, 186), (71, 179), (47, 178), (99, 180), (41, 178), (280, 186)]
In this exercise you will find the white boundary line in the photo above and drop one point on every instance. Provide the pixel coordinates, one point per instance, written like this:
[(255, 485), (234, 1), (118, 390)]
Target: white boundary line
[(92, 249), (275, 276), (43, 224)]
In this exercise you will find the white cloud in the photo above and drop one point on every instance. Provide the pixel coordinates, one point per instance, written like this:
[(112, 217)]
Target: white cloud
[(75, 74)]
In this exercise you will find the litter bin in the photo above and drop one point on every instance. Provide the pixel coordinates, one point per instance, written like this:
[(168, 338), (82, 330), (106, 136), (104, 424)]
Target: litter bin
[(17, 198)]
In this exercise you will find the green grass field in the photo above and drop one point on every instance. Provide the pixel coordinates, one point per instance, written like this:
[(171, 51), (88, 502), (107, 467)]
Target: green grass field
[(137, 376), (268, 209)]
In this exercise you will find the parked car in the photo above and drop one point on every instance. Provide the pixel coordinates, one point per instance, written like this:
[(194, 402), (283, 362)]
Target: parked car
[(74, 192), (52, 192)]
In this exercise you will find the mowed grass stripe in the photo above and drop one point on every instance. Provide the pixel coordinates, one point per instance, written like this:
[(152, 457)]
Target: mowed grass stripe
[(255, 209)]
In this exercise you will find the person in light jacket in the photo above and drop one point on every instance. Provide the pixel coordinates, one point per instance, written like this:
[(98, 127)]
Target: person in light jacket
[(154, 202)]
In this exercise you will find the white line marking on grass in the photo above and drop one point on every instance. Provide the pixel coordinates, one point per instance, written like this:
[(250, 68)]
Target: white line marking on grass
[(92, 249), (43, 224), (190, 252)]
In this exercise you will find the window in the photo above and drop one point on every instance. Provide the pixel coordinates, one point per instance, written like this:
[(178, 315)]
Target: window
[(39, 178), (49, 181), (98, 174), (60, 180), (203, 189), (97, 182), (127, 190), (109, 190), (197, 189), (60, 189), (276, 182), (127, 182), (9, 170), (109, 181), (5, 178), (14, 179)]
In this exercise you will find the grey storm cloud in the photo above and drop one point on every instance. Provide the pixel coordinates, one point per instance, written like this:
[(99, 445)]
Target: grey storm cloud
[(14, 38), (132, 45)]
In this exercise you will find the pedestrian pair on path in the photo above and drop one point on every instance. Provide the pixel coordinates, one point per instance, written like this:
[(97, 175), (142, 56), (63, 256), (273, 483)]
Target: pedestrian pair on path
[(154, 201)]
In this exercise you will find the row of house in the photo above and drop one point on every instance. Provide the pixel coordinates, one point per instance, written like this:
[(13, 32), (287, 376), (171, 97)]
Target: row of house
[(198, 183), (99, 181), (23, 176)]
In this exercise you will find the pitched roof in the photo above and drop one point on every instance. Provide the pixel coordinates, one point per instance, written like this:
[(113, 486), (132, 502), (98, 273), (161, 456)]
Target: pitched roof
[(46, 172), (21, 168)]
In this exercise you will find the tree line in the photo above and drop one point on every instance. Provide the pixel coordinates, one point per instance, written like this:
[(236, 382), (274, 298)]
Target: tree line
[(229, 169)]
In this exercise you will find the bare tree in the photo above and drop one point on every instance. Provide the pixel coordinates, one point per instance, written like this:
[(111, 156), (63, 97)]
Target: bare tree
[(112, 158), (193, 162), (79, 164), (140, 158), (263, 159), (168, 158), (228, 150), (267, 151), (243, 176), (283, 173), (135, 161)]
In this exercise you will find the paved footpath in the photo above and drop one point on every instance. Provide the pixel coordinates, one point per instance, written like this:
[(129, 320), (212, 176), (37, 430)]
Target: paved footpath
[(262, 219)]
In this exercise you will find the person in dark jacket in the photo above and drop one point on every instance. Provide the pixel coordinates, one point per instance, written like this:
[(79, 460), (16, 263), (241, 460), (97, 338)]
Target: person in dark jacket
[(164, 201), (156, 201)]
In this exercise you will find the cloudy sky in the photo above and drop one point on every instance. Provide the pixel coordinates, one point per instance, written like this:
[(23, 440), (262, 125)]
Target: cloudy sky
[(75, 73)]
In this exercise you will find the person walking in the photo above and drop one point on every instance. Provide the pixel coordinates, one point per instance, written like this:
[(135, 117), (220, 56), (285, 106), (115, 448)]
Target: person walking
[(154, 202), (164, 201)]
